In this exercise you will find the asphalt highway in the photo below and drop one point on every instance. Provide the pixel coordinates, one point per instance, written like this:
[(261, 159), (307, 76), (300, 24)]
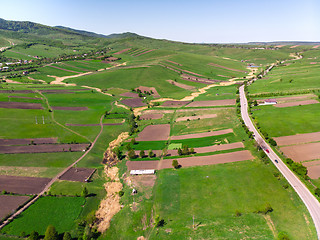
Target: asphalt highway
[(309, 200)]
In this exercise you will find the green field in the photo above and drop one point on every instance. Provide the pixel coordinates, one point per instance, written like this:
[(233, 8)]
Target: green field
[(289, 120), (60, 212), (178, 197), (154, 76)]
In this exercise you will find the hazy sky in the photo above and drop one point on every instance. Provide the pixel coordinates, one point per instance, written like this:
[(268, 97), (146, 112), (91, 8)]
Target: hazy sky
[(214, 21)]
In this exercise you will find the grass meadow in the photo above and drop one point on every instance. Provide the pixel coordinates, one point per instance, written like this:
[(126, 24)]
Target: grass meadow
[(61, 212)]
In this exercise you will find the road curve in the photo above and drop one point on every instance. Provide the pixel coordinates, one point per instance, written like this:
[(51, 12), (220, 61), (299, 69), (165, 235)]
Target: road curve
[(306, 196)]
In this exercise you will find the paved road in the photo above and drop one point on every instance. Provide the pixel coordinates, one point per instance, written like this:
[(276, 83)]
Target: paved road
[(309, 200)]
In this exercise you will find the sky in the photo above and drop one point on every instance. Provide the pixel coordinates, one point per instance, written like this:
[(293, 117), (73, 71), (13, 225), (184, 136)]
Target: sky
[(194, 21)]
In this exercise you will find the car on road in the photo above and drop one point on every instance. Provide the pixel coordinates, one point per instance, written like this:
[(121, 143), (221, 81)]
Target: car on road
[(276, 160), (267, 150)]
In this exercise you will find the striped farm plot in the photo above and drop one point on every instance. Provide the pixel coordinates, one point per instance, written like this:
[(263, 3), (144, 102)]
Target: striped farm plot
[(192, 161)]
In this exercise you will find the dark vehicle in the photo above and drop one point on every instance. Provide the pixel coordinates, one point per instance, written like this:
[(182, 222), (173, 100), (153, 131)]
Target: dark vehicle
[(276, 160), (267, 150)]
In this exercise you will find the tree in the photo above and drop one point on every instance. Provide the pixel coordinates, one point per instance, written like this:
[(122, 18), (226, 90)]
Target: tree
[(131, 154), (179, 151), (317, 192), (133, 141), (33, 236), (84, 192), (150, 154), (255, 103), (51, 233), (142, 154), (67, 236), (175, 164)]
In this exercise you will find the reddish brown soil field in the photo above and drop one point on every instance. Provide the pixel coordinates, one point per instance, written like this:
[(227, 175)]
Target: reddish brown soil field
[(92, 125), (130, 94), (313, 169), (291, 104), (33, 98), (16, 91), (226, 102), (70, 108), (175, 103), (155, 133), (181, 85), (25, 141), (122, 51), (78, 174), (43, 148), (284, 99), (298, 139), (279, 46), (221, 147), (143, 180), (133, 102), (201, 135), (205, 116), (149, 89), (313, 62), (10, 203), (192, 161), (294, 46), (314, 172), (316, 46), (144, 52), (174, 62), (64, 69), (23, 185), (220, 66), (303, 152), (151, 116), (142, 165), (20, 105)]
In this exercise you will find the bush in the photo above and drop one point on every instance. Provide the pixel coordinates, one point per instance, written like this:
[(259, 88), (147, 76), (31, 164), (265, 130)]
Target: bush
[(131, 154), (283, 236), (175, 164), (317, 192), (272, 142), (142, 154), (150, 154), (51, 233), (238, 213)]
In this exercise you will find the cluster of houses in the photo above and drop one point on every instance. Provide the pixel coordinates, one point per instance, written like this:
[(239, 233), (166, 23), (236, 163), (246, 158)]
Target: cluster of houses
[(8, 64)]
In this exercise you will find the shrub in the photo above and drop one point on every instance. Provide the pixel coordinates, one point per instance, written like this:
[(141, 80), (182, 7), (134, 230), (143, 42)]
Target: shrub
[(131, 154), (175, 164), (142, 154), (238, 213), (51, 233), (283, 236), (317, 192)]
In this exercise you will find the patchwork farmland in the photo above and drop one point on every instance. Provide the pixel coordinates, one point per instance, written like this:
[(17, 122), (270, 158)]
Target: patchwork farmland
[(75, 127)]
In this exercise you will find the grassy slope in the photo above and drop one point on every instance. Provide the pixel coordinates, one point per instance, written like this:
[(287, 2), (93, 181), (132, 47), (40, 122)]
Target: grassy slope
[(154, 76), (60, 212), (177, 200)]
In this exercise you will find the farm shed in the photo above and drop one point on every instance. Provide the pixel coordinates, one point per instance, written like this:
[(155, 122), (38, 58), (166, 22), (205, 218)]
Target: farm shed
[(142, 172)]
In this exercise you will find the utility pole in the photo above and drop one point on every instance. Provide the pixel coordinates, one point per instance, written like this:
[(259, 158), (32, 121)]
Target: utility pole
[(36, 120), (42, 120)]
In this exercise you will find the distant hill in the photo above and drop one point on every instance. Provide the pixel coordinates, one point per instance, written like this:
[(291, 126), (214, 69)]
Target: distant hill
[(92, 34), (284, 43)]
